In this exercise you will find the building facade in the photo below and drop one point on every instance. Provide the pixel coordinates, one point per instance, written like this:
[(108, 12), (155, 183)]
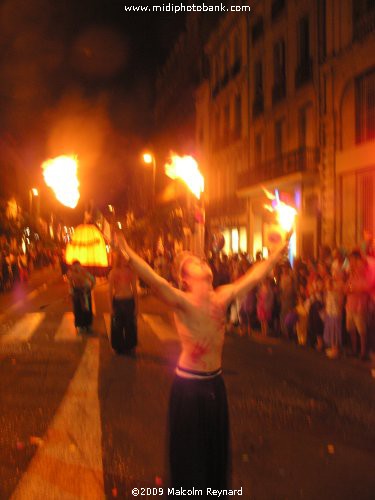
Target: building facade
[(222, 129), (347, 120), (296, 114)]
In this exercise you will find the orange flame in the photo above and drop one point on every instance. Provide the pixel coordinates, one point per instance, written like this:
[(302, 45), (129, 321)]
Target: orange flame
[(60, 174), (285, 213), (186, 169)]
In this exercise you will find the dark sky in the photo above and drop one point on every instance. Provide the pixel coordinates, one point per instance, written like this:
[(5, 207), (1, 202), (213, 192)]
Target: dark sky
[(77, 76)]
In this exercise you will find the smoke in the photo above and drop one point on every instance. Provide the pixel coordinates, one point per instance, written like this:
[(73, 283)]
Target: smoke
[(65, 89)]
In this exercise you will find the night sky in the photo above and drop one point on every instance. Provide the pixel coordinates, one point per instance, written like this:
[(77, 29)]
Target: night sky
[(78, 76)]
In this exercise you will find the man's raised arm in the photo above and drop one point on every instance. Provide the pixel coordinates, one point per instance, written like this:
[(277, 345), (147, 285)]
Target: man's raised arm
[(253, 276), (168, 293)]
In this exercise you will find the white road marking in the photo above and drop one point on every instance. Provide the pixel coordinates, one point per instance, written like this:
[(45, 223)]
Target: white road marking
[(23, 329), (163, 330), (68, 464), (66, 330)]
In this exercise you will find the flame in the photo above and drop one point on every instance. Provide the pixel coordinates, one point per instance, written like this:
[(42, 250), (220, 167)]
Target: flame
[(186, 169), (60, 174), (285, 213)]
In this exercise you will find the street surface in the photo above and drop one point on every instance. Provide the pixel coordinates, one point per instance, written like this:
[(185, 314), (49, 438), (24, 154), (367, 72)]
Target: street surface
[(79, 422)]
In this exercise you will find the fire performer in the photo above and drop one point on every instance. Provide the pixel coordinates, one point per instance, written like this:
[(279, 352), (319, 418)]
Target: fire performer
[(198, 411)]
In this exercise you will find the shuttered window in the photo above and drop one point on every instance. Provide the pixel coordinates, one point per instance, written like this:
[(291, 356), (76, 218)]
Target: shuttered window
[(365, 108), (367, 202)]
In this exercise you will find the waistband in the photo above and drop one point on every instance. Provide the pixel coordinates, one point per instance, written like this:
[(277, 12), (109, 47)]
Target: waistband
[(123, 299), (195, 374)]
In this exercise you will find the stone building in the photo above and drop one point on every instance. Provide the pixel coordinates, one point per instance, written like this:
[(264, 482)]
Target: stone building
[(305, 85), (263, 121), (347, 120), (222, 127)]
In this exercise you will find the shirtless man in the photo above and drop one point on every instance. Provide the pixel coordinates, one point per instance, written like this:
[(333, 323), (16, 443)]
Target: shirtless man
[(198, 411), (124, 304)]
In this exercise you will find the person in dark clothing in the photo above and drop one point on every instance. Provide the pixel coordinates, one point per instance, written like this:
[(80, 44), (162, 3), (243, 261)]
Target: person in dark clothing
[(124, 304), (81, 283)]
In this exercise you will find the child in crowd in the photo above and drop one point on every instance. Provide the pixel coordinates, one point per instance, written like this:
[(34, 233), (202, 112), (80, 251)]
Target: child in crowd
[(333, 318), (302, 312), (265, 305), (315, 324)]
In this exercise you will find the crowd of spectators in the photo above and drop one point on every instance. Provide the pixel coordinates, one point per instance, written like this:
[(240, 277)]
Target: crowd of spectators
[(16, 265), (327, 304)]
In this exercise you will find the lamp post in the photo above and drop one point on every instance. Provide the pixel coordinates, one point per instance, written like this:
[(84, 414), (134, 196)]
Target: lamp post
[(149, 159), (33, 193)]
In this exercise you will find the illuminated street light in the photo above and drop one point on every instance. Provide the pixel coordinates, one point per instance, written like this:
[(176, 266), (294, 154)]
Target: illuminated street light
[(149, 159), (34, 193)]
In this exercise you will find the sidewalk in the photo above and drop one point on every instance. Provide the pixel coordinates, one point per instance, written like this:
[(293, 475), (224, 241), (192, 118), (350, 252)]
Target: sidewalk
[(38, 281)]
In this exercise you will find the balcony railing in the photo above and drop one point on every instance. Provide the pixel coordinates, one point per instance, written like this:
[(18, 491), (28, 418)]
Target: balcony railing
[(230, 205), (304, 73), (364, 25), (299, 160)]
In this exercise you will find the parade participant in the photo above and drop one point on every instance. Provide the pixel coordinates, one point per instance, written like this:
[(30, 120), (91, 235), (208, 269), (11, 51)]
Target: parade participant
[(81, 283), (124, 304), (198, 412)]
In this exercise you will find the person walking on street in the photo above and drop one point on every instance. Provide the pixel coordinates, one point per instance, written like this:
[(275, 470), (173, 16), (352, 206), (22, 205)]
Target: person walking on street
[(124, 306), (81, 282), (198, 410)]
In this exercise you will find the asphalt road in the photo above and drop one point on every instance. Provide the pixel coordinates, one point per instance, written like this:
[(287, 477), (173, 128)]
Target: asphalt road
[(79, 422)]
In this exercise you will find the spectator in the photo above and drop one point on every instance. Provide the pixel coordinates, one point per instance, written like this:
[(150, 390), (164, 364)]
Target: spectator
[(333, 317), (357, 302), (265, 302), (287, 297)]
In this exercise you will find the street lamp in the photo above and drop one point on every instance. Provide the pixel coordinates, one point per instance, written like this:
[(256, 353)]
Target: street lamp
[(149, 159), (33, 193)]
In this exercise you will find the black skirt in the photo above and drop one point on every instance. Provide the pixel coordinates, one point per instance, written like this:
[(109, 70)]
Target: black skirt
[(124, 325), (82, 307), (199, 433)]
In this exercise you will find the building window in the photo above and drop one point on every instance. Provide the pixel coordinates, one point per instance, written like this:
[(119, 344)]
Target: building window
[(279, 86), (215, 76), (226, 120), (278, 138), (322, 20), (302, 127), (277, 8), (304, 67), (243, 239), (303, 39), (236, 55), (365, 107), (225, 76), (258, 150), (363, 18), (238, 115), (258, 104), (257, 30), (217, 128), (368, 222)]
